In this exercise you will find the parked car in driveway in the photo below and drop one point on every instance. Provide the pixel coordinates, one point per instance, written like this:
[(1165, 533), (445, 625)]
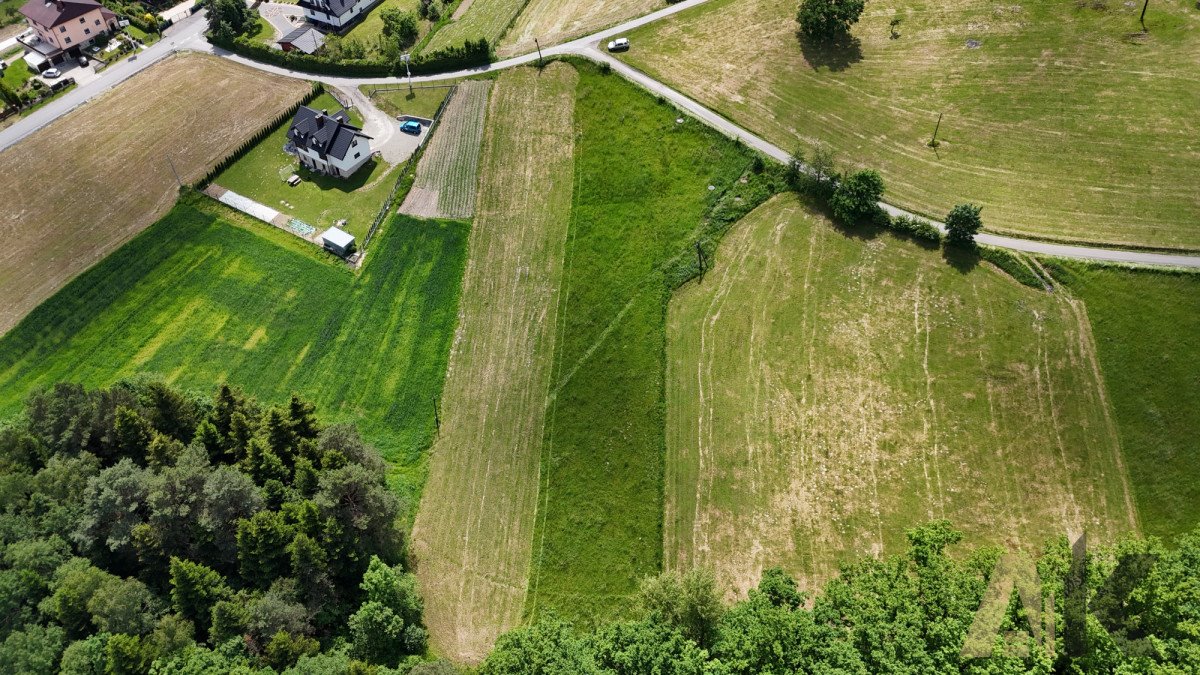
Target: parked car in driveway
[(51, 73), (411, 127), (618, 45), (83, 62)]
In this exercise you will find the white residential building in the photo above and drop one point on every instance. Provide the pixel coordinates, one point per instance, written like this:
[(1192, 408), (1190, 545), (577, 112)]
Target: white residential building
[(327, 144), (336, 14)]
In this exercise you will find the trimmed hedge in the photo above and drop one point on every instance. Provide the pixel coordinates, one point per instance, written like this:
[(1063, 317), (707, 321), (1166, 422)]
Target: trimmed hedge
[(470, 55), (916, 228), (283, 118)]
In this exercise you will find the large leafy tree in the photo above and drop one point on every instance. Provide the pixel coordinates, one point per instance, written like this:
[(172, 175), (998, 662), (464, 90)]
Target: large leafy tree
[(963, 223), (856, 198), (828, 20)]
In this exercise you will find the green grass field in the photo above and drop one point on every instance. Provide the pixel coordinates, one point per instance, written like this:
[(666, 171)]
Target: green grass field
[(1145, 325), (1060, 122), (320, 201), (370, 30), (600, 518), (829, 389), (422, 102), (487, 19), (207, 296), (473, 537)]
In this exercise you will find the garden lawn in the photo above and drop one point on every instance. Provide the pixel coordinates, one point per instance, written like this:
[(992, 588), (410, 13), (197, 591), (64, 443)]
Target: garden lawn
[(16, 74), (476, 19), (829, 389), (1145, 324), (370, 30), (320, 201), (1058, 120), (422, 102), (207, 296), (641, 193)]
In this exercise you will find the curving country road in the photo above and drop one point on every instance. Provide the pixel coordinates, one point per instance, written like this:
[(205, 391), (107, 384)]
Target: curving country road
[(189, 35)]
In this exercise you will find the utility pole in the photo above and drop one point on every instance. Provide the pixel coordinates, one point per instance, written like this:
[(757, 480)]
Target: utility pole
[(1143, 19), (700, 260), (406, 58), (539, 46), (437, 421), (177, 180), (933, 142)]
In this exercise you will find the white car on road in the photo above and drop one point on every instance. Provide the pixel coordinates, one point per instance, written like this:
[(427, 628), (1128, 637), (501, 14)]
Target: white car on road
[(618, 45)]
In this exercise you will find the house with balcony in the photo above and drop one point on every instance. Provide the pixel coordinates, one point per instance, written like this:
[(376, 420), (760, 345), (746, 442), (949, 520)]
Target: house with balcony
[(335, 15), (62, 28), (327, 144)]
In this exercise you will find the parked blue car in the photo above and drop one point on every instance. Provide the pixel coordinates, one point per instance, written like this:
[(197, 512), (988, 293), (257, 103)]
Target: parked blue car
[(411, 127)]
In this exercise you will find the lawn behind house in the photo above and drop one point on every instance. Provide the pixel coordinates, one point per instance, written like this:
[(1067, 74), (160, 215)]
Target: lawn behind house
[(262, 173)]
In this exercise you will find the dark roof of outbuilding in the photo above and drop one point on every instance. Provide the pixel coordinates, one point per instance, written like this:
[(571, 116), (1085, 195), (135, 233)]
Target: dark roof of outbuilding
[(334, 7), (51, 13), (326, 134), (305, 38)]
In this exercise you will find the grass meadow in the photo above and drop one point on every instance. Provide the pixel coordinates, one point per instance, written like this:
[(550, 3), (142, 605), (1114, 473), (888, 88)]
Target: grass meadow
[(473, 537), (599, 525), (1060, 118), (261, 174), (486, 19), (206, 296), (1145, 324), (556, 21), (370, 30), (827, 389)]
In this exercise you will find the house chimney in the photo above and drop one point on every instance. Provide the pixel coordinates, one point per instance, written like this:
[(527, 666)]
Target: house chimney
[(58, 4)]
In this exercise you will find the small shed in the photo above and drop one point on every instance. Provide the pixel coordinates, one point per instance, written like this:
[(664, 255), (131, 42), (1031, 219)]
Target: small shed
[(338, 241), (304, 39)]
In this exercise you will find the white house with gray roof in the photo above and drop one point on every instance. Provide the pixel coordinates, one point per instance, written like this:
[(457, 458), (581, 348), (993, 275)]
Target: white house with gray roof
[(336, 14), (327, 144)]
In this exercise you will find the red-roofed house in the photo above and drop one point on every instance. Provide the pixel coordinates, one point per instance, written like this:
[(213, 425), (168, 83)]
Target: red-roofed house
[(63, 26)]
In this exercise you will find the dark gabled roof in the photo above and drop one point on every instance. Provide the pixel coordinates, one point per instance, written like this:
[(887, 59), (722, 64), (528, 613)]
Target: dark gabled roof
[(325, 134), (334, 7), (305, 38), (51, 13)]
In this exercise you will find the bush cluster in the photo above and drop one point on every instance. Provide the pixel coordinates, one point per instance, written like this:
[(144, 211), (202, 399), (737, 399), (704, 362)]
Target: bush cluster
[(470, 55)]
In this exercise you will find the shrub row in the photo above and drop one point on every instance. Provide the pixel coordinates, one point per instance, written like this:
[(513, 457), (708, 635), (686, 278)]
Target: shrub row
[(1012, 264), (916, 228), (282, 118), (470, 55)]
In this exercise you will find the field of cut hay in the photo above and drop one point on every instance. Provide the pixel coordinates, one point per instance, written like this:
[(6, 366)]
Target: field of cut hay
[(556, 21), (446, 174), (1060, 118), (84, 185), (827, 390), (474, 531)]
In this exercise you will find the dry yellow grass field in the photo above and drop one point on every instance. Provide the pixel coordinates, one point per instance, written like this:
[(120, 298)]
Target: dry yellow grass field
[(826, 391), (556, 21), (87, 183), (473, 535)]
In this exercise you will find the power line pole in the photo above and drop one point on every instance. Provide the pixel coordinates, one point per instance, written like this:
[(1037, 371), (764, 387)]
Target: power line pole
[(933, 142), (539, 46), (406, 58), (177, 180), (437, 420)]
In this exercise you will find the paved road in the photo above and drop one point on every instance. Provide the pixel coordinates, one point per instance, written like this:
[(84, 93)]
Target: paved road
[(189, 35)]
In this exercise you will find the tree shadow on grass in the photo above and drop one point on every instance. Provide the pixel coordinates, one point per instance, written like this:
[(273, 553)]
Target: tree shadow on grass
[(835, 55), (964, 259)]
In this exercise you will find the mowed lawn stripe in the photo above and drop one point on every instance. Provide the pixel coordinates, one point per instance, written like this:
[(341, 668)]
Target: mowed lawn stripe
[(642, 192), (1056, 120), (78, 189), (205, 296), (482, 19), (828, 390), (474, 531)]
